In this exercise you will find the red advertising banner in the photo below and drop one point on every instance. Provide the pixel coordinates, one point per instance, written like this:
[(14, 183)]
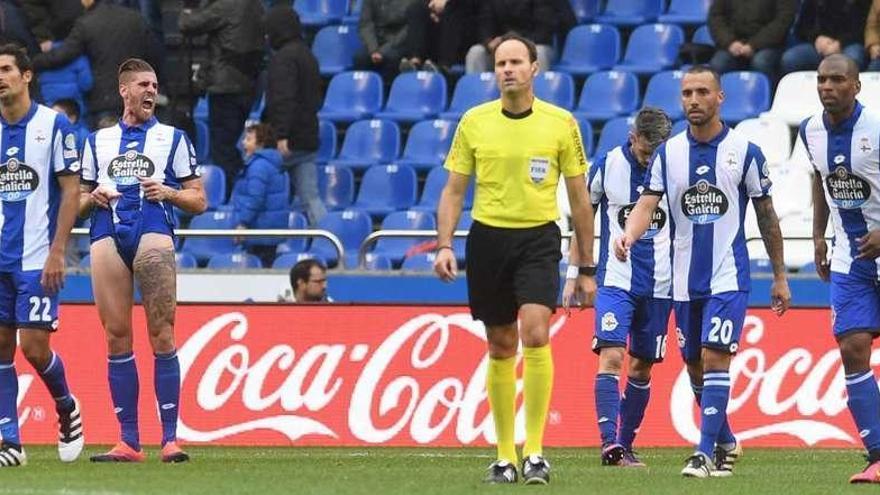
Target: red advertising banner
[(401, 375)]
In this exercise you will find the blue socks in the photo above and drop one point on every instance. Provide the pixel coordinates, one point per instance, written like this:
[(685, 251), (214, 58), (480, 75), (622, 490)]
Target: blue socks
[(607, 406), (124, 389), (9, 403), (864, 405), (166, 380), (713, 409), (55, 380), (725, 436), (632, 409)]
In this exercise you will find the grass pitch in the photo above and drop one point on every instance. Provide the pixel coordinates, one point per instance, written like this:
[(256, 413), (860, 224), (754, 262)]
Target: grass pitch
[(381, 471)]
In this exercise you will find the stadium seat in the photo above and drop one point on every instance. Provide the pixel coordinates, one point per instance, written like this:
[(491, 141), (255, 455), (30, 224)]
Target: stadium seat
[(326, 142), (336, 186), (230, 261), (664, 92), (630, 12), (415, 96), (320, 12), (652, 48), (760, 265), (421, 262), (585, 10), (746, 95), (287, 260), (396, 248), (679, 126), (354, 13), (352, 96), (295, 220), (203, 248), (202, 143), (214, 182), (434, 184), (185, 260), (586, 136), (335, 48), (800, 157), (367, 143), (350, 226), (589, 49), (376, 262), (703, 36), (556, 88), (471, 90), (614, 133), (427, 144), (772, 135), (796, 98), (458, 243), (869, 96), (200, 109), (687, 12), (791, 190), (387, 188), (85, 262), (608, 94)]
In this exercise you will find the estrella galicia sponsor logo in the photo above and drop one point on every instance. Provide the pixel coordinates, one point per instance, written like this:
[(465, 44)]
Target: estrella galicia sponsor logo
[(847, 190), (658, 220), (704, 203), (17, 180), (126, 168)]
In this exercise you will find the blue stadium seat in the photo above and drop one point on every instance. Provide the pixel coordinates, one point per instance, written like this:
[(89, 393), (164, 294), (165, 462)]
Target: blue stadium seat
[(664, 92), (354, 13), (200, 110), (415, 96), (805, 269), (85, 262), (679, 126), (470, 91), (203, 141), (458, 243), (687, 12), (422, 262), (760, 266), (336, 186), (295, 220), (205, 247), (352, 96), (287, 260), (556, 88), (376, 262), (83, 242), (746, 95), (428, 143), (326, 142), (396, 249), (214, 182), (335, 48), (320, 12), (652, 48), (387, 188), (185, 260), (434, 184), (630, 12), (589, 48), (369, 142), (351, 226), (230, 261), (586, 136), (585, 10), (702, 35), (608, 94), (614, 133)]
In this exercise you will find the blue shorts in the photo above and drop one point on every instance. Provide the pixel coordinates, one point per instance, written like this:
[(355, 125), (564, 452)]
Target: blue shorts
[(23, 302), (855, 304), (133, 223), (643, 319), (714, 322)]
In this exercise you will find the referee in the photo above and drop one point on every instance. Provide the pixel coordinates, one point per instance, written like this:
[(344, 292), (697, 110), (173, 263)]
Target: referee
[(517, 147)]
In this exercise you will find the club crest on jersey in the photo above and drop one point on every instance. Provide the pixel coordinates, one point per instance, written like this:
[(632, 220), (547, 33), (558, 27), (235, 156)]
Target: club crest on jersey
[(658, 220), (538, 169), (17, 180), (70, 141), (125, 169), (609, 321), (847, 190), (704, 203)]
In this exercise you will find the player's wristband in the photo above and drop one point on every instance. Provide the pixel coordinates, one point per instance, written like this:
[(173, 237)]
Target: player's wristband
[(589, 271), (572, 272), (439, 248)]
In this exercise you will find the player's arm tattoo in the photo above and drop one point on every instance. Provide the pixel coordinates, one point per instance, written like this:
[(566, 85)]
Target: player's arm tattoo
[(820, 208), (156, 274), (768, 225)]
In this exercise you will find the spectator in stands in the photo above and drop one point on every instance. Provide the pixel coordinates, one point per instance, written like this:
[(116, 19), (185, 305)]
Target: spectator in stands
[(151, 11), (108, 35), (384, 31), (872, 36), (236, 43), (51, 20), (750, 34), (534, 19), (70, 108), (14, 28), (293, 97), (826, 27), (70, 81), (440, 31), (308, 279)]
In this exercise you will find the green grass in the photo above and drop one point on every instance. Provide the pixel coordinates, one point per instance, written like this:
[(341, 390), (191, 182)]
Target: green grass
[(381, 471)]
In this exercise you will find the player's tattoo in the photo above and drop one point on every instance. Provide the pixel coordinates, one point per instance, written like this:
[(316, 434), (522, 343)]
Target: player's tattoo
[(156, 274), (768, 225)]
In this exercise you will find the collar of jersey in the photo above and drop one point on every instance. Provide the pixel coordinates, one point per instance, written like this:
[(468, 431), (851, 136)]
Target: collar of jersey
[(847, 124), (630, 157), (143, 127), (517, 116), (22, 122), (715, 141)]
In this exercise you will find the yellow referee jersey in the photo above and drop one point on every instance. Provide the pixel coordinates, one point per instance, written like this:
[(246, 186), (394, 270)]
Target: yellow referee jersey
[(517, 161)]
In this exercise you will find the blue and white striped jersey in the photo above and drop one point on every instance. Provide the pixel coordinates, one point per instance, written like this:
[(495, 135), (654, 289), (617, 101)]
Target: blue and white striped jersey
[(707, 188), (616, 181), (34, 151), (847, 157)]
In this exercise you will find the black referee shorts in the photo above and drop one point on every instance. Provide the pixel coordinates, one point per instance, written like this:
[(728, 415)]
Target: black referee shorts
[(507, 268)]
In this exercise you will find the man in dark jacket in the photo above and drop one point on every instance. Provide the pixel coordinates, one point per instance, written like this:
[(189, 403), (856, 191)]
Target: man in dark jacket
[(236, 43), (51, 20), (826, 27), (108, 35), (384, 31), (534, 19), (293, 96), (750, 34)]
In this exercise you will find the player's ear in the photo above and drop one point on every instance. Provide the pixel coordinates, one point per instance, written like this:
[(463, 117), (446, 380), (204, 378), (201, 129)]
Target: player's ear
[(27, 76)]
